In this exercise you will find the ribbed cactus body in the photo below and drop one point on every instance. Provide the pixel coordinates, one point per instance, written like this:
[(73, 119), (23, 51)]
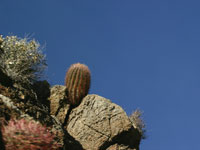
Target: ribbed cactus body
[(77, 81)]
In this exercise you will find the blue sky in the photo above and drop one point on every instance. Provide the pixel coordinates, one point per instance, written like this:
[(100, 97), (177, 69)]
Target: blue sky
[(142, 54)]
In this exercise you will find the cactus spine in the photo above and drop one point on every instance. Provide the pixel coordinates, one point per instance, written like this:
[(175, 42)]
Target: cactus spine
[(77, 81)]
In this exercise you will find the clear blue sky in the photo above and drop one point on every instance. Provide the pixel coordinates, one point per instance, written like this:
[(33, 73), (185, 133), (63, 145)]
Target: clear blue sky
[(142, 54)]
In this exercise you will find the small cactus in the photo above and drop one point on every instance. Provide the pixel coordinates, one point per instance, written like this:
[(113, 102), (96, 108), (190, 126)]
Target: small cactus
[(77, 81), (28, 135)]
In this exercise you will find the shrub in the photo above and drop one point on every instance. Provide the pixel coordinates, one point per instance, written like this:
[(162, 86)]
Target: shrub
[(21, 59), (138, 122), (27, 135)]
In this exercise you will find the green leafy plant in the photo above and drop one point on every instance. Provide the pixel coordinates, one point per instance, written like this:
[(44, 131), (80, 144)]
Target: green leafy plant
[(77, 81), (21, 59), (27, 135)]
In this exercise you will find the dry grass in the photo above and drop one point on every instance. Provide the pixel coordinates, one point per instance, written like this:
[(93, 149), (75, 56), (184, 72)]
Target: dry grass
[(138, 122)]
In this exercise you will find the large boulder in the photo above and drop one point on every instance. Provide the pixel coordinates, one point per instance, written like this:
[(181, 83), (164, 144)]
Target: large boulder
[(99, 124)]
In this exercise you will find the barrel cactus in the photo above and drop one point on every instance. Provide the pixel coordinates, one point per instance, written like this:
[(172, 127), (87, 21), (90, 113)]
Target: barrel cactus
[(28, 135), (77, 82)]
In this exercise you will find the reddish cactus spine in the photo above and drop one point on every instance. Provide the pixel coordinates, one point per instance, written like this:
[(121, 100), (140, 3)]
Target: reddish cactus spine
[(28, 135), (77, 81)]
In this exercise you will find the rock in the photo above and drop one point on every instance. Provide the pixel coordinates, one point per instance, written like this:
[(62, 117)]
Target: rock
[(59, 105), (97, 124), (120, 147), (11, 106), (9, 110)]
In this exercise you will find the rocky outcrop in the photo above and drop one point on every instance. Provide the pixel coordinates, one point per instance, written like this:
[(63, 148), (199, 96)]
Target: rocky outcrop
[(96, 124), (8, 109), (75, 123), (18, 104)]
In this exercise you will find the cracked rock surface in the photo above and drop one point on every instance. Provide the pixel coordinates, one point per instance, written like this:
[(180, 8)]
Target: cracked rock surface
[(99, 124), (59, 105)]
